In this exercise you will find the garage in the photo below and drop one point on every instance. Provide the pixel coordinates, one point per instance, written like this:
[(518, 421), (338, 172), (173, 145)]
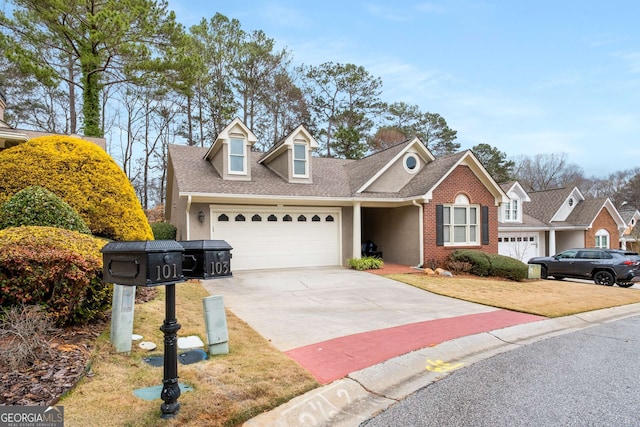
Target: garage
[(522, 246), (278, 237)]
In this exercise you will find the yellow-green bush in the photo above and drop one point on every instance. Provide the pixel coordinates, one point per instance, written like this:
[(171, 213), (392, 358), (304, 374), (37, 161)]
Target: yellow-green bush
[(84, 176), (55, 268)]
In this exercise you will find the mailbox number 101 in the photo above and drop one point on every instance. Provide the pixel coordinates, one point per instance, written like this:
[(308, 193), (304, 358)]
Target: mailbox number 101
[(220, 268), (167, 271)]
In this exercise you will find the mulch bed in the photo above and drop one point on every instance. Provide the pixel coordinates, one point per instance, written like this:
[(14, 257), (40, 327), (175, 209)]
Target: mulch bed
[(54, 373)]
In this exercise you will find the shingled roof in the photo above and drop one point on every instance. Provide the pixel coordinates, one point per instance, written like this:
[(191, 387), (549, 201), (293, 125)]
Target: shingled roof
[(196, 175), (332, 178), (586, 211), (545, 204)]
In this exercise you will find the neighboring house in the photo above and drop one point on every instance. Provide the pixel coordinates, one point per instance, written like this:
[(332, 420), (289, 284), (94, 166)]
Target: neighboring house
[(11, 136), (543, 223), (630, 238), (287, 208)]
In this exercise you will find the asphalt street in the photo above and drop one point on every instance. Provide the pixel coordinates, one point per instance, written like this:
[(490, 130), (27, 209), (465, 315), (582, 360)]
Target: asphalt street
[(585, 378)]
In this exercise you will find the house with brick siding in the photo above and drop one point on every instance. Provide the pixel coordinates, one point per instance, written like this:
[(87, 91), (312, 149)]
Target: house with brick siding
[(544, 223), (288, 208)]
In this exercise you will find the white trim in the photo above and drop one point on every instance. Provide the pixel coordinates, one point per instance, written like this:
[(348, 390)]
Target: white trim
[(408, 156), (294, 159), (414, 143), (242, 141)]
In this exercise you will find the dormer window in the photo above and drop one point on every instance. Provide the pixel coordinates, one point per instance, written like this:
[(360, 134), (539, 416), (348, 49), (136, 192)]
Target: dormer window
[(511, 210), (300, 160), (570, 201), (237, 156)]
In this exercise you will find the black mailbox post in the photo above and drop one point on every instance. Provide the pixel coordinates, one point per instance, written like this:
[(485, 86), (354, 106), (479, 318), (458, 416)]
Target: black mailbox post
[(206, 259), (153, 263)]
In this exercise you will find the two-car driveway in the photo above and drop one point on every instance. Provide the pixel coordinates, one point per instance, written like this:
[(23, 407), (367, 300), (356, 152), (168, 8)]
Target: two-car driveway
[(297, 307)]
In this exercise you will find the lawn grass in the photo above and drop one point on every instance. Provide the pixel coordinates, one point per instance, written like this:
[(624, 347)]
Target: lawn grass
[(228, 389), (254, 376), (550, 298)]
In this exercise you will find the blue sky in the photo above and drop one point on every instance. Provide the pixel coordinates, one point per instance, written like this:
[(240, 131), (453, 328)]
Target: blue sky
[(526, 77)]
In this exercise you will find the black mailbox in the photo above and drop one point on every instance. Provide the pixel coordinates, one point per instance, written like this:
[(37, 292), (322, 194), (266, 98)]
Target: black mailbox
[(143, 263), (206, 259)]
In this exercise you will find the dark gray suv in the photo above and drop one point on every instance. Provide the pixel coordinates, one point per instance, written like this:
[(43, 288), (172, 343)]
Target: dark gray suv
[(603, 266)]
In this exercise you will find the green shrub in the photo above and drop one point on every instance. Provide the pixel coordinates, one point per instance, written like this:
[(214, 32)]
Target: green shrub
[(38, 206), (55, 268), (366, 263), (83, 175), (484, 264), (163, 231), (507, 267), (480, 263)]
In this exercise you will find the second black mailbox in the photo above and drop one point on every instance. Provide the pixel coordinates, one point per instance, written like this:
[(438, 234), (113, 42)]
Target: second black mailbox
[(206, 259), (143, 263)]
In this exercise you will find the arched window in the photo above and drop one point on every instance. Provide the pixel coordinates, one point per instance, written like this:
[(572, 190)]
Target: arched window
[(256, 218), (223, 218), (461, 222), (602, 239), (240, 218)]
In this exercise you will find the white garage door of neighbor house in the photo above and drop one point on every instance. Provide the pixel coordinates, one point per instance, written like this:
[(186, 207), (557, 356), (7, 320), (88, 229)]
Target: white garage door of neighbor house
[(518, 245), (278, 237)]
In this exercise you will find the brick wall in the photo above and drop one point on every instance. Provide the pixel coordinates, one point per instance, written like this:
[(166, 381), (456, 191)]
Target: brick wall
[(461, 181), (606, 221)]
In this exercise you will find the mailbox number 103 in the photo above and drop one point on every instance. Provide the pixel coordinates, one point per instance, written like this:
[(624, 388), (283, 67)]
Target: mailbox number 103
[(220, 268), (167, 271)]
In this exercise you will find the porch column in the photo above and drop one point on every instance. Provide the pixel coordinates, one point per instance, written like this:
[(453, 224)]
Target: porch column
[(187, 222), (552, 242), (357, 231)]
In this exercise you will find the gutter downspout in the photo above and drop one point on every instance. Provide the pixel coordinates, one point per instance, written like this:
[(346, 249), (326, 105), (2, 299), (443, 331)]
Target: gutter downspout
[(421, 234), (188, 214)]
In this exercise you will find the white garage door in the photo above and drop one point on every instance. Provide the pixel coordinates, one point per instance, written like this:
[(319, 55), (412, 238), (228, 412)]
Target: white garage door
[(522, 246), (278, 237)]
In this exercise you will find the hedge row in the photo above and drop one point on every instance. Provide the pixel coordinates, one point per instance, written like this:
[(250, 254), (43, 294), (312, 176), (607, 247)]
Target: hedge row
[(484, 264)]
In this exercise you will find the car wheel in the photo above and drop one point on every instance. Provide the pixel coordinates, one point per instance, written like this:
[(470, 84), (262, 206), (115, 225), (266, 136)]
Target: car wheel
[(604, 278), (543, 272), (625, 284), (558, 277)]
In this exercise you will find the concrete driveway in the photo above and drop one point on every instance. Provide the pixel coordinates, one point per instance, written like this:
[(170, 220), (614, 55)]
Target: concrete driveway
[(297, 307)]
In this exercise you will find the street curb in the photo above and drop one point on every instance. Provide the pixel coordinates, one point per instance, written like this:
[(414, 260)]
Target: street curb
[(359, 396)]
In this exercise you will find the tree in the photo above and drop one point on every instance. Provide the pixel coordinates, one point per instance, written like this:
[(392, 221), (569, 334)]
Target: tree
[(340, 95), (630, 192), (56, 41), (349, 143), (546, 171), (494, 161), (285, 106), (386, 137), (217, 44), (431, 128), (256, 64), (31, 104)]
